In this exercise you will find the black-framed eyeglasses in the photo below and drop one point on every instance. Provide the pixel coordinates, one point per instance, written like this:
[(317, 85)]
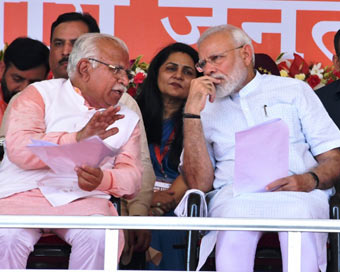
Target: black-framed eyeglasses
[(116, 69), (214, 59)]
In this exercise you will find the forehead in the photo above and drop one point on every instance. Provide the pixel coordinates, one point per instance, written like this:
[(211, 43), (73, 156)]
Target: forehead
[(70, 30), (180, 58), (38, 72), (111, 51), (215, 43)]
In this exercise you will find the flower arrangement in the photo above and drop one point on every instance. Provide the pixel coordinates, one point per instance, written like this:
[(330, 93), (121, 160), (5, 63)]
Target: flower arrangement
[(139, 71), (315, 74)]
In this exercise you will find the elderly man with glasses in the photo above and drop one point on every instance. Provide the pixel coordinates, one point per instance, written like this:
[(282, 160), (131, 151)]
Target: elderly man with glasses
[(65, 111), (232, 97)]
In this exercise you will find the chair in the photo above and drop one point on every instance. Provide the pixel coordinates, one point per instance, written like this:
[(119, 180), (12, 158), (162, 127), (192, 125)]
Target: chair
[(268, 254)]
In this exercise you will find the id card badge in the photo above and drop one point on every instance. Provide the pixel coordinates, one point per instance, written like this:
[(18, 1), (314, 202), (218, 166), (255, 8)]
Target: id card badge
[(162, 184)]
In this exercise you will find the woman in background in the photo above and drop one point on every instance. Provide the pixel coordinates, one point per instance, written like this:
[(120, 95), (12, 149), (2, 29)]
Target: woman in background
[(161, 100)]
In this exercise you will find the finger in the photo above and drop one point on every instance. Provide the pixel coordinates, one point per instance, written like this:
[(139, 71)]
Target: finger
[(90, 179), (169, 192), (146, 243), (275, 185), (111, 117), (157, 211), (85, 185), (88, 171), (110, 111), (131, 240), (108, 133)]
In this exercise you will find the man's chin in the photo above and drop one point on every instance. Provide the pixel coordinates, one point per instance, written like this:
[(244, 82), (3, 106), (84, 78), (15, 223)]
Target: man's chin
[(223, 92), (61, 74)]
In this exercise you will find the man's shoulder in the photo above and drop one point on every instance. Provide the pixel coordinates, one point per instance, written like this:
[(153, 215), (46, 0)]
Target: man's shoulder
[(49, 83), (128, 101), (127, 111), (269, 80)]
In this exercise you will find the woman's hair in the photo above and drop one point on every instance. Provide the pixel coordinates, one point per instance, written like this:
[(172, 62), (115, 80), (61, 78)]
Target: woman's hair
[(86, 46), (151, 103)]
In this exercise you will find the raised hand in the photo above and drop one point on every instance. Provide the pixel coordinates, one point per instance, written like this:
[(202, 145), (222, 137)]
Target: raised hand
[(99, 123)]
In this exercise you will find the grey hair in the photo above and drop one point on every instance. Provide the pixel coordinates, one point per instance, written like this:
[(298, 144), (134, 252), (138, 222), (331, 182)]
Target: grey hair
[(238, 35), (86, 46)]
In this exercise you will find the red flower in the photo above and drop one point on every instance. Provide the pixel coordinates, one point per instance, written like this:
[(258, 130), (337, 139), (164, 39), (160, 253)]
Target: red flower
[(139, 78), (337, 74), (313, 80), (329, 81), (283, 66), (299, 66), (132, 91)]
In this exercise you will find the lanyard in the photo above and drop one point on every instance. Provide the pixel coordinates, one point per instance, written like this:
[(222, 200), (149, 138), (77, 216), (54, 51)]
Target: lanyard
[(160, 156)]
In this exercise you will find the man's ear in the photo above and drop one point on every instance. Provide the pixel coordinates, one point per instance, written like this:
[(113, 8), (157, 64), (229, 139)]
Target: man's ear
[(83, 68), (336, 62), (247, 54), (2, 68)]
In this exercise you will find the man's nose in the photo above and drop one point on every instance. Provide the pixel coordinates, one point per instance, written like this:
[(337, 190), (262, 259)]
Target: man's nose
[(123, 79), (209, 69), (67, 48)]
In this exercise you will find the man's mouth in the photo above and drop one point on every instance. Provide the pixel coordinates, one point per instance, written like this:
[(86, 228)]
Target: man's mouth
[(119, 89), (63, 61)]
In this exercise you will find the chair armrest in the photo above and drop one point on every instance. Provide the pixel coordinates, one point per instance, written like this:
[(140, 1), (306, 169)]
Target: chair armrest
[(334, 206), (334, 238), (116, 203), (194, 204)]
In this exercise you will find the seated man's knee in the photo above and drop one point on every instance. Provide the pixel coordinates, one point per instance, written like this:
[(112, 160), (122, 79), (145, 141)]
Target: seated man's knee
[(235, 239), (91, 238), (22, 240)]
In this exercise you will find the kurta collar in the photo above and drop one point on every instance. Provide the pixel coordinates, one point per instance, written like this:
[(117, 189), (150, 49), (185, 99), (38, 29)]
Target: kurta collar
[(251, 86)]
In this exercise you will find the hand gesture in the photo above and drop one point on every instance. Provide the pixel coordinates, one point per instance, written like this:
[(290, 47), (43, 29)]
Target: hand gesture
[(89, 178), (200, 88), (99, 123)]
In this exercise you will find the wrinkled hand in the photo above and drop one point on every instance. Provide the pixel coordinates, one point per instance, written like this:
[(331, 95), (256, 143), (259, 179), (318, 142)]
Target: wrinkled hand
[(200, 88), (299, 183), (164, 200), (89, 178), (99, 123), (139, 239)]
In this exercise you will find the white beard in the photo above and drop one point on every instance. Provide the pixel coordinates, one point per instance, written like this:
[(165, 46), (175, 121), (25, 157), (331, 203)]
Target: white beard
[(232, 82)]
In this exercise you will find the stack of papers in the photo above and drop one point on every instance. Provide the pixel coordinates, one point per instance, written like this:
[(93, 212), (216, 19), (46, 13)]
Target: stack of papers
[(64, 158)]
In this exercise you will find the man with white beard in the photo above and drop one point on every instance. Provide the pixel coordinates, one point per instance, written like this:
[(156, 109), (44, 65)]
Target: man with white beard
[(232, 97)]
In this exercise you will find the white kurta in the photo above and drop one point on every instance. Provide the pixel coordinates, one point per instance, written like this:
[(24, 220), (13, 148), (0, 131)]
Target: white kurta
[(311, 132)]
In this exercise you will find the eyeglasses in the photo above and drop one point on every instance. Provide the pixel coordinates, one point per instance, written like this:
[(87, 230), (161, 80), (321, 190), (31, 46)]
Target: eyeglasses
[(214, 59), (115, 69)]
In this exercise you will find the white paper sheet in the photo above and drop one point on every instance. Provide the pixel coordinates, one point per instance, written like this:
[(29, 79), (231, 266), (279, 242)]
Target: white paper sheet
[(261, 156), (64, 158)]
